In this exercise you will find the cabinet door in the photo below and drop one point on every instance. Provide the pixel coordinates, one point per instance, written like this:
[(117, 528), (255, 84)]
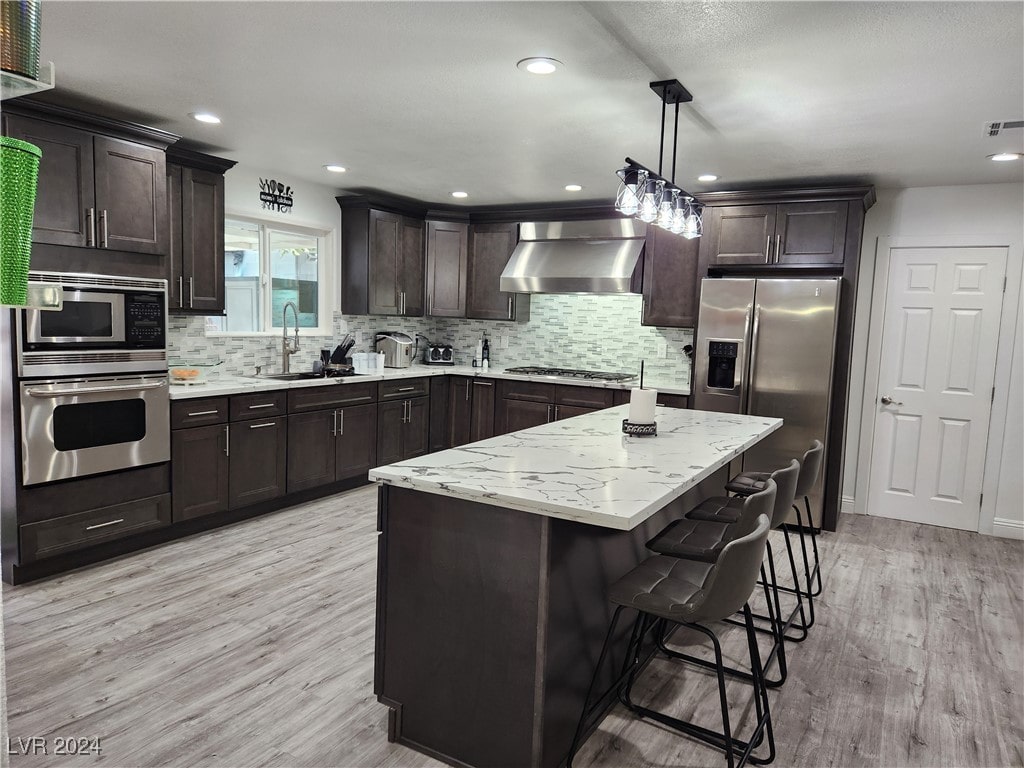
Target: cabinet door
[(490, 246), (202, 239), (131, 196), (482, 420), (447, 259), (311, 450), (357, 441), (175, 277), (416, 436), (460, 412), (258, 451), (671, 285), (411, 274), (522, 414), (65, 191), (385, 262), (741, 234), (568, 411), (440, 392), (811, 233), (390, 425), (199, 471)]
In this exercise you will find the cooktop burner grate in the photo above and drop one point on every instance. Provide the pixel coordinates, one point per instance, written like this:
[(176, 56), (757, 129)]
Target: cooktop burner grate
[(571, 373)]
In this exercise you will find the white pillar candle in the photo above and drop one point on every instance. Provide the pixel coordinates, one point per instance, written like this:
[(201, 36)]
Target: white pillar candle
[(641, 405)]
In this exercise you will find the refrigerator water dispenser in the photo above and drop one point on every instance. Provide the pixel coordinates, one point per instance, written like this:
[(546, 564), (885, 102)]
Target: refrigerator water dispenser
[(722, 364)]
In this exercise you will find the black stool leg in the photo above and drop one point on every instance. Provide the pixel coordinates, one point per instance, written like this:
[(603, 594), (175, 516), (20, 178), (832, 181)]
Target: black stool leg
[(778, 651), (814, 545), (764, 717)]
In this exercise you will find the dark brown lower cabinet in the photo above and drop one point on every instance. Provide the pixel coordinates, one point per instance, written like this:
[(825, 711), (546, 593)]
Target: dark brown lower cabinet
[(258, 452), (199, 471), (568, 411), (460, 411), (403, 429), (440, 387), (514, 415), (481, 423), (311, 449), (356, 441)]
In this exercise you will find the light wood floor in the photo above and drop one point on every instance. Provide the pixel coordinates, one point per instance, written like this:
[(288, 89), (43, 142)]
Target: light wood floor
[(253, 646)]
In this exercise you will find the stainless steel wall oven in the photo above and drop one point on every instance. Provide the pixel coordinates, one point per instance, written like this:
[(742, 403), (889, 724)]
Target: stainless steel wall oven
[(93, 378)]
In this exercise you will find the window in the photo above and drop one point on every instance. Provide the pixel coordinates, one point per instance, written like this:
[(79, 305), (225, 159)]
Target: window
[(267, 265)]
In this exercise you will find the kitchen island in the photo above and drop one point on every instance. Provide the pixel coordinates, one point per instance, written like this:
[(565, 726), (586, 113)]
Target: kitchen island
[(493, 564)]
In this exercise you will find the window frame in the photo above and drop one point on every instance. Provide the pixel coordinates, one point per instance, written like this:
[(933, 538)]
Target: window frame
[(326, 293)]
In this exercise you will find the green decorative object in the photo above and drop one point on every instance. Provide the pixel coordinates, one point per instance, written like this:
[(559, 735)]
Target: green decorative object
[(19, 170)]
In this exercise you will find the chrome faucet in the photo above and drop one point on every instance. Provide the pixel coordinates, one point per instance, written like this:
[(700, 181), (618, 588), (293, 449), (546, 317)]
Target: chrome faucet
[(287, 350)]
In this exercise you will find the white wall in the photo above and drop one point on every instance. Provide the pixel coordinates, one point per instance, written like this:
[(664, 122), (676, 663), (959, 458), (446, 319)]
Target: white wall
[(980, 210), (314, 206)]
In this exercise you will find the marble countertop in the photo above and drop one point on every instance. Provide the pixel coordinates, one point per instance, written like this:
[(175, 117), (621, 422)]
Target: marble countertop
[(222, 384), (584, 469)]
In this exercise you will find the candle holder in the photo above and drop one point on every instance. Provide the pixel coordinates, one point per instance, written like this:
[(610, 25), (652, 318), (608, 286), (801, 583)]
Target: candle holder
[(640, 430)]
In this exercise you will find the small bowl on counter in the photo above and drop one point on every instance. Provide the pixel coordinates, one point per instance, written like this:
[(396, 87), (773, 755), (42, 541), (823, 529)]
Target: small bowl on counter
[(190, 373)]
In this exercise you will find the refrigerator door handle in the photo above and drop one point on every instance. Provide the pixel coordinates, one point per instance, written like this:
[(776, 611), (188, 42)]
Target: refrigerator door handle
[(749, 383)]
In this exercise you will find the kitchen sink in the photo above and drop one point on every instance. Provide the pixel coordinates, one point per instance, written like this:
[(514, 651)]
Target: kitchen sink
[(287, 376)]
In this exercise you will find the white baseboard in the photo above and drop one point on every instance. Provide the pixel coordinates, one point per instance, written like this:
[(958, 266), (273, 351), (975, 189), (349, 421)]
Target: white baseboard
[(1009, 529), (847, 505)]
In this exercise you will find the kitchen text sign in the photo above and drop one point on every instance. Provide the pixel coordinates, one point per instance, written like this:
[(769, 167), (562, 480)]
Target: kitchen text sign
[(275, 196)]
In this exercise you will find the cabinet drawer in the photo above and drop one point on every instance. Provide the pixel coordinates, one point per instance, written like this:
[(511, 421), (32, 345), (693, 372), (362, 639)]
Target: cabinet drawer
[(64, 534), (527, 390), (335, 396), (673, 401), (403, 388), (199, 413), (259, 405), (584, 397)]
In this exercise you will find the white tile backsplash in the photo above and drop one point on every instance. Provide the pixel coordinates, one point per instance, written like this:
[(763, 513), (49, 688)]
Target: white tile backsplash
[(569, 331)]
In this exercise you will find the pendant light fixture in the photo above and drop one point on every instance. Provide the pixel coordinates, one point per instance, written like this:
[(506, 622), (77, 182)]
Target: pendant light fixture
[(651, 197)]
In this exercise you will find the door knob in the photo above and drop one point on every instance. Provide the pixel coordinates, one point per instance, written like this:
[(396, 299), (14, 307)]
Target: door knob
[(886, 400)]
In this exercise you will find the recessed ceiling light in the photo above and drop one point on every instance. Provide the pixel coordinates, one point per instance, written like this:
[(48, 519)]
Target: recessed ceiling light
[(335, 168), (1004, 157), (539, 65), (460, 194), (573, 188), (707, 177), (205, 117)]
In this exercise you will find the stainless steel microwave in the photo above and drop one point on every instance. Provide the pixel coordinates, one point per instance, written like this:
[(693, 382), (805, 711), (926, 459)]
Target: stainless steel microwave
[(105, 325)]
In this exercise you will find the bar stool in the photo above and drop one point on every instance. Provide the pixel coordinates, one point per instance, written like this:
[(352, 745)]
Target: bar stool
[(810, 467), (667, 590), (702, 539)]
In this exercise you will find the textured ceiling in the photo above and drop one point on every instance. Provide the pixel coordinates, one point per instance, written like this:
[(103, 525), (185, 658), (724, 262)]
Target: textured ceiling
[(423, 98)]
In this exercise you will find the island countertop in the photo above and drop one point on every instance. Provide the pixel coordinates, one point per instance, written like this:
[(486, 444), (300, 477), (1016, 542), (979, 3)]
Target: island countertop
[(584, 468)]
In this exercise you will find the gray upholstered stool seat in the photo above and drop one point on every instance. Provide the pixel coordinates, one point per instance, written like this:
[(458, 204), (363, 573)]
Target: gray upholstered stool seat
[(721, 509), (747, 483), (695, 539), (661, 585)]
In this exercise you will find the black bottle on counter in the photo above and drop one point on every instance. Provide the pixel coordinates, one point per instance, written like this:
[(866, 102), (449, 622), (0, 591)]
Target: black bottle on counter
[(486, 353)]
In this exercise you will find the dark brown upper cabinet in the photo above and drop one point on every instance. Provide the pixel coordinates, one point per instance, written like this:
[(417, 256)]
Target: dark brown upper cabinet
[(490, 246), (195, 194), (95, 190), (807, 233), (447, 260), (671, 282), (382, 255)]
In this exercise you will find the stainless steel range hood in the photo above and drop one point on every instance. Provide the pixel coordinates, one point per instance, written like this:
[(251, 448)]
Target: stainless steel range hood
[(576, 257)]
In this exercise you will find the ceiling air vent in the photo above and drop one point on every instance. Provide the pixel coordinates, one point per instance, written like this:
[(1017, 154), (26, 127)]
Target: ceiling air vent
[(994, 129)]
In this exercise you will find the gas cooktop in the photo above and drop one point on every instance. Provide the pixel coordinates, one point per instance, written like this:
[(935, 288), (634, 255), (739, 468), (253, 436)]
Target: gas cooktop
[(571, 373)]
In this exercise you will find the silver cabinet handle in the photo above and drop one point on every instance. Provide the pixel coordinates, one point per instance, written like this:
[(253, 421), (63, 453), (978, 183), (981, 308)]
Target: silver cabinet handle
[(556, 413), (340, 428), (181, 291), (467, 391), (778, 247), (204, 413), (549, 413), (261, 426), (483, 383), (103, 228), (405, 389), (93, 390), (334, 425), (104, 525), (509, 307), (886, 400), (262, 405), (191, 292), (227, 440), (90, 227), (768, 250)]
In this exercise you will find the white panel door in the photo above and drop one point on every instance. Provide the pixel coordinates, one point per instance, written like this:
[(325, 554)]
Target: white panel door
[(935, 384)]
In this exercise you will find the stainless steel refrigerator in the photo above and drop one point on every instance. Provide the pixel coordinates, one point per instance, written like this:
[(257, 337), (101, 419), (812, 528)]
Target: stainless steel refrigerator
[(766, 346)]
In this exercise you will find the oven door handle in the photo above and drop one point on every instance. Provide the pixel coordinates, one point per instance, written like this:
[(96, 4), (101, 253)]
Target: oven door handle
[(93, 390)]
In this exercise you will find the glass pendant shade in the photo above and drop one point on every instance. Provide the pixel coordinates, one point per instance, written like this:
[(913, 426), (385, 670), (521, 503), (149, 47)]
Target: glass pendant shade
[(665, 213), (651, 201), (692, 225), (627, 199)]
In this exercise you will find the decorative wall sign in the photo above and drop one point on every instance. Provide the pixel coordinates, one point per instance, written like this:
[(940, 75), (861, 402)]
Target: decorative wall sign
[(275, 196)]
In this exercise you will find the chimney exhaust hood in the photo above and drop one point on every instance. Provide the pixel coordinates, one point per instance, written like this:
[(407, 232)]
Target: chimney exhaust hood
[(576, 257)]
